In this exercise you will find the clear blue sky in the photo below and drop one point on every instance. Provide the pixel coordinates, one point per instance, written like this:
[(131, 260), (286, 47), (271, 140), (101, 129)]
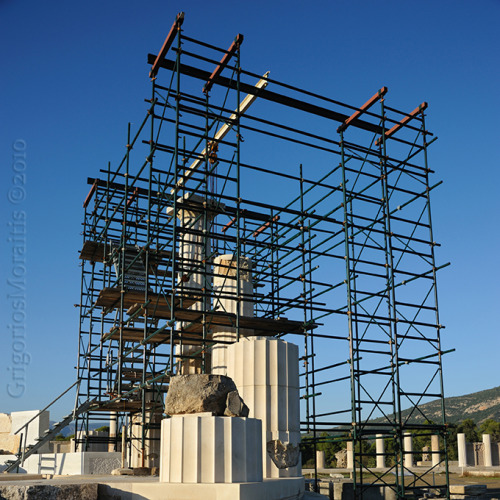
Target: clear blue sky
[(74, 73)]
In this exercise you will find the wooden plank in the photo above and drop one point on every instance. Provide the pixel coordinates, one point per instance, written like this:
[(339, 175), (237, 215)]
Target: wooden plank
[(109, 298), (261, 326)]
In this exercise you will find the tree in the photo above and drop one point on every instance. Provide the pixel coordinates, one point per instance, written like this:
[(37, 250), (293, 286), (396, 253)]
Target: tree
[(492, 427), (469, 428)]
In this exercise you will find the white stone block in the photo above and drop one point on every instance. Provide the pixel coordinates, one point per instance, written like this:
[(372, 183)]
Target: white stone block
[(5, 423), (36, 428), (206, 449)]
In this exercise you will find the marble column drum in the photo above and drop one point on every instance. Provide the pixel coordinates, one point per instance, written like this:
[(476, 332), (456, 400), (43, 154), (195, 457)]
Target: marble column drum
[(205, 449), (225, 287), (266, 373)]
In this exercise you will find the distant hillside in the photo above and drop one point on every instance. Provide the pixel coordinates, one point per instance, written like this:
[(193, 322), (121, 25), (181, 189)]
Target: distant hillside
[(477, 406)]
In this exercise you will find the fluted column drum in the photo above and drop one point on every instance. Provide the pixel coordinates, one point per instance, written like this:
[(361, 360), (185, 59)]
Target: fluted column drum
[(207, 449), (266, 373)]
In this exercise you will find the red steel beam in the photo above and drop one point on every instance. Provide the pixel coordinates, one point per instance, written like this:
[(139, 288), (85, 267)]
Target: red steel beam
[(367, 105), (266, 225), (91, 193), (167, 44), (223, 63), (132, 197), (403, 122)]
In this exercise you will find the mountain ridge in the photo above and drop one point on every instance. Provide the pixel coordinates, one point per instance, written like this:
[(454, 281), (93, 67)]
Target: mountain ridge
[(477, 406)]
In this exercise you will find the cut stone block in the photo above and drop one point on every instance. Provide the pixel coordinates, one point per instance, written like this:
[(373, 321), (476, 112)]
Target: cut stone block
[(9, 443), (36, 428), (5, 423), (197, 449), (468, 489)]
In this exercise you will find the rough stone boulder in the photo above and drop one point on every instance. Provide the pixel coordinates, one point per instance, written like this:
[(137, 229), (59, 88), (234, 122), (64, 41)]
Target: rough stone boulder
[(235, 406), (82, 491), (200, 393), (283, 455)]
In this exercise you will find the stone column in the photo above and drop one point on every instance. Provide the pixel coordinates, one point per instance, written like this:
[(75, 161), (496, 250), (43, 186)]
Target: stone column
[(113, 422), (225, 301), (320, 459), (488, 459), (408, 450), (150, 456), (192, 273), (266, 373), (380, 449), (462, 450), (436, 456), (349, 455)]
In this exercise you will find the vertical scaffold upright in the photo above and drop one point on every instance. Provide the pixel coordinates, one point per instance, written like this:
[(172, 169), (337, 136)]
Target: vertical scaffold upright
[(333, 228)]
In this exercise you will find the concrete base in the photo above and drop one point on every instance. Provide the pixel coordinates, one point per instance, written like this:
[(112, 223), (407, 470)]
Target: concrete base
[(269, 489)]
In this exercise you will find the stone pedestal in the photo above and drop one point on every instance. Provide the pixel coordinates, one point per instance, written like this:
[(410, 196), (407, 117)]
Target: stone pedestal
[(462, 450), (488, 462), (206, 449), (266, 373), (408, 450), (225, 287), (380, 449), (436, 456)]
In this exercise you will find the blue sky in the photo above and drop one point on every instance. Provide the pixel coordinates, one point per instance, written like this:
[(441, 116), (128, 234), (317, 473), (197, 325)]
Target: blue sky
[(75, 73)]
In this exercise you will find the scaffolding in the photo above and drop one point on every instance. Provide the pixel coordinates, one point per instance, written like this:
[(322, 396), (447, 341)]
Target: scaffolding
[(330, 204)]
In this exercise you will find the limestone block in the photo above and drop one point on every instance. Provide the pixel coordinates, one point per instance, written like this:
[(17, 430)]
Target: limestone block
[(9, 443), (205, 449), (341, 457), (36, 428), (198, 393), (5, 423)]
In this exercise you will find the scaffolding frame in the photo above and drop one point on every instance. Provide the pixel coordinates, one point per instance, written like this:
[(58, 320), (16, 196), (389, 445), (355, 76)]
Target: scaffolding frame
[(345, 266)]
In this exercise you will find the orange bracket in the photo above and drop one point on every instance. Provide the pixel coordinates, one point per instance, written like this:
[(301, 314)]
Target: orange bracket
[(402, 123), (132, 196), (91, 193), (223, 63), (167, 44), (266, 225), (367, 105)]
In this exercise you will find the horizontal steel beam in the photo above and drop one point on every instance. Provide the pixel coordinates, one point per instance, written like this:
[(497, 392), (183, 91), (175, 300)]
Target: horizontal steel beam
[(268, 95)]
